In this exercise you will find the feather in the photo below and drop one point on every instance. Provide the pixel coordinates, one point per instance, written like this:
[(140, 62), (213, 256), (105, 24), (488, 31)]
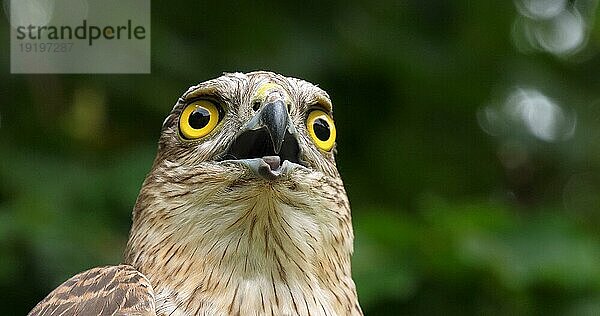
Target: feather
[(111, 290)]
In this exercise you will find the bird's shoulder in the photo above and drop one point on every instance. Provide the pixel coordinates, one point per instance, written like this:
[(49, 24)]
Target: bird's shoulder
[(109, 290)]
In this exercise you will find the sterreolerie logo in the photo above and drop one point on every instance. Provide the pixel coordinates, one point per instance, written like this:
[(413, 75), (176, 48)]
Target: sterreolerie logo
[(80, 36)]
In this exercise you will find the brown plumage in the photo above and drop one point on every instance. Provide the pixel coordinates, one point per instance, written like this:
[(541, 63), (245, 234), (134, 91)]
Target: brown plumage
[(116, 290), (245, 214)]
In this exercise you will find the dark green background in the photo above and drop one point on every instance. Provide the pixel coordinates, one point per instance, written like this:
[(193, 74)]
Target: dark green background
[(448, 219)]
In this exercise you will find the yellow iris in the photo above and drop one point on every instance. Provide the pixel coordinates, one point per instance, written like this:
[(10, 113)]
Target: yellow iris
[(198, 119), (321, 129)]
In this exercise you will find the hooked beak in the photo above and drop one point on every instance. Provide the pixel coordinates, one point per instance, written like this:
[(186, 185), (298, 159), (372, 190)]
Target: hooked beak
[(268, 143), (274, 117)]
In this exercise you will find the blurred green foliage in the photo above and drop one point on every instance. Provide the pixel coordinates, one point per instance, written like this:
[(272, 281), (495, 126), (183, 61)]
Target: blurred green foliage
[(468, 195)]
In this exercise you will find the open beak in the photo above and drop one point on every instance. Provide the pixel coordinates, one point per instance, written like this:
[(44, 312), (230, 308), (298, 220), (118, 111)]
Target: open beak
[(273, 117), (268, 143)]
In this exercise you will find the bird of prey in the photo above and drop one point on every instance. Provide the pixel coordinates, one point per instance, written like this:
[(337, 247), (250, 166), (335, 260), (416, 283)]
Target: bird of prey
[(242, 213)]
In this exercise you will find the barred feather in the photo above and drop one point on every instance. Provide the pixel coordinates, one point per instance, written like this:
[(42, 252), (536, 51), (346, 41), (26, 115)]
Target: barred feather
[(111, 290)]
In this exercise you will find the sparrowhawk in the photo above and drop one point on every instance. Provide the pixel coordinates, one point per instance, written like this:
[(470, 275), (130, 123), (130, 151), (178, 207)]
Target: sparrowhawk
[(242, 213)]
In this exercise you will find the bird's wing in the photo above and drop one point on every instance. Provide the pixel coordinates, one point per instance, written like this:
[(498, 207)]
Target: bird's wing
[(111, 290)]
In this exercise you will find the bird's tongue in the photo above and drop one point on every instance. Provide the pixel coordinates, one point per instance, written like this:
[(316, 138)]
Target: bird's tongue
[(274, 162), (258, 144)]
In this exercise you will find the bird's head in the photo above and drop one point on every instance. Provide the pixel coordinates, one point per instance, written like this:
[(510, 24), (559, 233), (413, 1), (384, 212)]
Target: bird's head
[(262, 123), (245, 175)]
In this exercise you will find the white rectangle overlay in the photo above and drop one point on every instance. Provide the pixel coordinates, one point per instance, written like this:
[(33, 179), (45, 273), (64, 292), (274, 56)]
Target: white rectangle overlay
[(80, 36)]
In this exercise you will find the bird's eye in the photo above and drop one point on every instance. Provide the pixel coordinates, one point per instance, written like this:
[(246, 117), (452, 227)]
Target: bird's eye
[(321, 129), (198, 119)]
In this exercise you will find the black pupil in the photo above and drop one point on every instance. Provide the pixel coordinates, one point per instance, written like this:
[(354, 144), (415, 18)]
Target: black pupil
[(199, 118), (321, 128)]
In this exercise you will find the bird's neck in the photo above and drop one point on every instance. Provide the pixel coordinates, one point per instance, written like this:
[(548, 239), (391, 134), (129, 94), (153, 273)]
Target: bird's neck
[(273, 250)]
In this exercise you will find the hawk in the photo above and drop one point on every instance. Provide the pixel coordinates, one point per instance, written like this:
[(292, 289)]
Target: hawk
[(242, 213)]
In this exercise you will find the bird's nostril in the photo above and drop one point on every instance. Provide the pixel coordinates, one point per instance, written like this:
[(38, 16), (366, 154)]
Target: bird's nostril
[(256, 106)]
